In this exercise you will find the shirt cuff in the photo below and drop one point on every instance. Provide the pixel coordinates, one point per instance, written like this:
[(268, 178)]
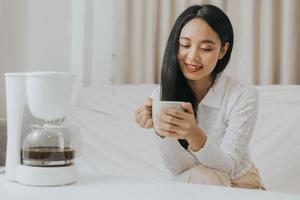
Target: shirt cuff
[(158, 137), (204, 154)]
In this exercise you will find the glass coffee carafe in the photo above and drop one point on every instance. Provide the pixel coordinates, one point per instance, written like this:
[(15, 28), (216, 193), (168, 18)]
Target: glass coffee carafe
[(50, 145)]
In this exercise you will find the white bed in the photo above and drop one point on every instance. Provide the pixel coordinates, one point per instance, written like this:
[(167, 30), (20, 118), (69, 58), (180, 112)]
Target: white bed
[(119, 160), (114, 144)]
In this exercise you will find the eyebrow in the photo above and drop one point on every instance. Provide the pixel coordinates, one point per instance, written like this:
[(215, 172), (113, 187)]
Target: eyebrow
[(202, 41)]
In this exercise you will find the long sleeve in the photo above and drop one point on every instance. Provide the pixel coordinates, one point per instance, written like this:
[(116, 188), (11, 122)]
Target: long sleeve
[(229, 155), (174, 156)]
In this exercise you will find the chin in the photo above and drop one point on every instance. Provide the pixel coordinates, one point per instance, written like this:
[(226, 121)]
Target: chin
[(193, 77)]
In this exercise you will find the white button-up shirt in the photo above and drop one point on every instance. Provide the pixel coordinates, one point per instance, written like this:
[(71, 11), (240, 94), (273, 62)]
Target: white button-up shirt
[(227, 115)]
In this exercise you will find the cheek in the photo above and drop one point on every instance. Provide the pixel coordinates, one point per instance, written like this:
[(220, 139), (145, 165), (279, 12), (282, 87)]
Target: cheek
[(180, 56), (211, 58), (206, 58)]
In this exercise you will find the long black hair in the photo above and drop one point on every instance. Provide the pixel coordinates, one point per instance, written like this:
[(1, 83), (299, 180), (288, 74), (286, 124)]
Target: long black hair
[(174, 86)]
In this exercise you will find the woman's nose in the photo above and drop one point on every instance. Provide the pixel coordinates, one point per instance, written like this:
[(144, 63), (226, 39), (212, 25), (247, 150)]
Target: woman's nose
[(193, 55)]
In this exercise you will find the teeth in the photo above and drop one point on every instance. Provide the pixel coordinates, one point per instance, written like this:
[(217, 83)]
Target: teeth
[(193, 68)]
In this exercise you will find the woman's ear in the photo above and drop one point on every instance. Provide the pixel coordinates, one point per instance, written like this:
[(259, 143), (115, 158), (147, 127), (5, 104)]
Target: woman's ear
[(223, 50)]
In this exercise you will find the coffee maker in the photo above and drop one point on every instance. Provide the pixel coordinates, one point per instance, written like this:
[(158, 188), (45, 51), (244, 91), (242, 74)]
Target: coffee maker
[(41, 146)]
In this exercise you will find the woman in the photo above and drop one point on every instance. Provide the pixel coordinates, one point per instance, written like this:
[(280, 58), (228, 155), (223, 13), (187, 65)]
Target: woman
[(209, 142)]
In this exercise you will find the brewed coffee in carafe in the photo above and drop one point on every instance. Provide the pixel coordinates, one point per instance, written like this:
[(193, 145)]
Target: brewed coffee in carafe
[(49, 145)]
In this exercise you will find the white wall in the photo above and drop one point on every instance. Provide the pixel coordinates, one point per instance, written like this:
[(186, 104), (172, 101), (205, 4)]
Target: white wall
[(57, 35)]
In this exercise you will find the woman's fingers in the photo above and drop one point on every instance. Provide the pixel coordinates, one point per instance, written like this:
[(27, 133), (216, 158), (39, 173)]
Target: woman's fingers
[(169, 134), (138, 110), (148, 103), (143, 120), (165, 126), (146, 112), (149, 123), (172, 125), (188, 107), (169, 119), (174, 113), (143, 115), (141, 111)]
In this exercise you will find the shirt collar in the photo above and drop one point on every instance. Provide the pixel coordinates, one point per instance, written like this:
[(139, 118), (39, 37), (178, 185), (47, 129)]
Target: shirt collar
[(215, 94)]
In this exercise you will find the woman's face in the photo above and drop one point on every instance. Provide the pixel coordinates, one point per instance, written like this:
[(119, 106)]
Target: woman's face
[(199, 50)]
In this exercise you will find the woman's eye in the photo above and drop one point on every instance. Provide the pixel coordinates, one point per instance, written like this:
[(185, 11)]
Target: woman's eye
[(206, 50), (185, 45)]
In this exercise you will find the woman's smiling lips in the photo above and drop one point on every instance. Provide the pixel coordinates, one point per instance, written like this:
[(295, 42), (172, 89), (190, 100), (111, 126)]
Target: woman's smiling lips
[(193, 67)]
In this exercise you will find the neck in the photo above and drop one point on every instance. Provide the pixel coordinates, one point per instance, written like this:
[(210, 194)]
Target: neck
[(201, 87)]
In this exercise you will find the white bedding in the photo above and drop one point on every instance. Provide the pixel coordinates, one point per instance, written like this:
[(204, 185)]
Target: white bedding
[(114, 144), (112, 141), (275, 143)]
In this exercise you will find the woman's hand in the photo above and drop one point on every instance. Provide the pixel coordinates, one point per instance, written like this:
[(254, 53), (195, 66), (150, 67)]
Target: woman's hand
[(143, 115), (181, 125)]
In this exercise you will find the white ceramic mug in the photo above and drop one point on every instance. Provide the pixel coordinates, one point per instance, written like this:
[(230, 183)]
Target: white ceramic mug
[(157, 105)]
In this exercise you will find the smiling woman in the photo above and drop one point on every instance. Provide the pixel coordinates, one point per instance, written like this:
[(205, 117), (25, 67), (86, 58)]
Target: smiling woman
[(207, 142), (202, 41), (199, 51)]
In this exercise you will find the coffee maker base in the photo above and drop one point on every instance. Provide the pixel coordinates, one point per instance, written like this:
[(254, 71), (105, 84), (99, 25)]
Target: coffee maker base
[(46, 176)]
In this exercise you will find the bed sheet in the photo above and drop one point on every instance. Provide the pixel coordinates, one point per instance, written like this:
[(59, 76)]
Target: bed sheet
[(275, 143), (114, 144)]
